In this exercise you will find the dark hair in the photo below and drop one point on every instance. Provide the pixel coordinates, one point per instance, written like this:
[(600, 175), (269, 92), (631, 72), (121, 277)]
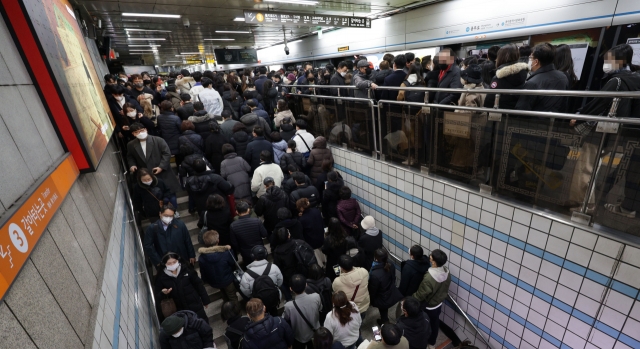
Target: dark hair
[(134, 77), (524, 51), (332, 176), (388, 57), (136, 126), (275, 137), (301, 124), (227, 148), (425, 61), (168, 206), (284, 213), (342, 308), (144, 172), (322, 338), (492, 52), (292, 168), (298, 177), (196, 76), (206, 82), (215, 202), (165, 106), (225, 114), (345, 262), (381, 255), (282, 105), (187, 125), (416, 251), (335, 233), (470, 60), (214, 127), (282, 235), (170, 255), (266, 156), (345, 193), (252, 104), (171, 88), (239, 127), (316, 272), (298, 283), (411, 305), (199, 165), (242, 206), (391, 334), (198, 106), (185, 97), (488, 72), (564, 62), (622, 53), (410, 56), (342, 64), (439, 257), (384, 65), (259, 131), (262, 70), (545, 53), (230, 309), (400, 61), (507, 54), (349, 64), (415, 69)]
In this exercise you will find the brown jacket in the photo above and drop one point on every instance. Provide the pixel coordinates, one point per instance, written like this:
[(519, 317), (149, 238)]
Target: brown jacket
[(318, 154)]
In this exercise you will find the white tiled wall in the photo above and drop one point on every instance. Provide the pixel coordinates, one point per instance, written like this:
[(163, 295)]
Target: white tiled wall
[(527, 281), (125, 315)]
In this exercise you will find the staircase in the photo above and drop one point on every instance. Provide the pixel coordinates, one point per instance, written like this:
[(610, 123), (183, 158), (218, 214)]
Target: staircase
[(215, 295)]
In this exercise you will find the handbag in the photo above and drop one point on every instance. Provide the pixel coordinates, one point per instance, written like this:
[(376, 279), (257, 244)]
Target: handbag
[(238, 273), (160, 202), (168, 306), (585, 128)]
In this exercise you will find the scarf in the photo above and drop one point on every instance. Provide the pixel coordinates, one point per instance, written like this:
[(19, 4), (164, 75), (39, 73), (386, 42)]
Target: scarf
[(443, 72)]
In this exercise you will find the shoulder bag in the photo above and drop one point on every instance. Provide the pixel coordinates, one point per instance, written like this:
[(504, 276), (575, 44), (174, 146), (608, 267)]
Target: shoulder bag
[(302, 315)]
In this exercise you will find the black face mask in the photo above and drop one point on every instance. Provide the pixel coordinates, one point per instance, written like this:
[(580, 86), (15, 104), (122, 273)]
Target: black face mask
[(442, 66), (146, 82), (368, 70)]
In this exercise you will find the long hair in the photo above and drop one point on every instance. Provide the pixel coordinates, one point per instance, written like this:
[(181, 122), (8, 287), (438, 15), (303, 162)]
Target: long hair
[(342, 308), (416, 69), (336, 233), (507, 54), (564, 62), (381, 256)]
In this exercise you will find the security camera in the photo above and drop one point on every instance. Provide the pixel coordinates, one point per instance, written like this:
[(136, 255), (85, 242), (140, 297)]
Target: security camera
[(286, 50), (185, 22)]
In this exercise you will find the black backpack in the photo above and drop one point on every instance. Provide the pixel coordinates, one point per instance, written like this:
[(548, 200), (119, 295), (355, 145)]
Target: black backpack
[(325, 296), (304, 254), (264, 288), (413, 96)]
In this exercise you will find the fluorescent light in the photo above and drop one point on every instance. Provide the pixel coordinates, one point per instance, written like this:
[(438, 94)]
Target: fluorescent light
[(129, 14), (146, 30), (300, 2), (233, 31), (238, 19), (189, 53), (143, 50), (234, 46), (143, 45), (219, 39), (174, 61), (147, 39)]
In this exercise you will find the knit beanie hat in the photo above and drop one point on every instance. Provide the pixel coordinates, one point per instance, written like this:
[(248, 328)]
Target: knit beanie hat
[(291, 77), (368, 222), (172, 324)]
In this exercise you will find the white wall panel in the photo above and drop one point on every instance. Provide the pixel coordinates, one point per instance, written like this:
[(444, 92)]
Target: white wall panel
[(627, 11)]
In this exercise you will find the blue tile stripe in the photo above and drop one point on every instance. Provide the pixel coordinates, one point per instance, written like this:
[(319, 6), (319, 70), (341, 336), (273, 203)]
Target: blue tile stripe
[(116, 322), (593, 275)]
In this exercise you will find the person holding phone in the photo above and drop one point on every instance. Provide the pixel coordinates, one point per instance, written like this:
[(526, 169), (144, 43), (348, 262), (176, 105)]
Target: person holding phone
[(391, 338)]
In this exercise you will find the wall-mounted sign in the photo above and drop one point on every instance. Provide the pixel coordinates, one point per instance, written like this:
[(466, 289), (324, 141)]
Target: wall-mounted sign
[(280, 18), (486, 26), (343, 48), (236, 56), (635, 44), (20, 233)]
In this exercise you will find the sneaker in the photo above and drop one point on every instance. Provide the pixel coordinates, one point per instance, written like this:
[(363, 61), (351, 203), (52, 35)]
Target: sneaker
[(176, 215), (590, 208), (617, 209)]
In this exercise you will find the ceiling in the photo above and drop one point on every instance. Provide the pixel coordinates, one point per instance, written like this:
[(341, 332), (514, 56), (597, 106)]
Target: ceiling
[(207, 16)]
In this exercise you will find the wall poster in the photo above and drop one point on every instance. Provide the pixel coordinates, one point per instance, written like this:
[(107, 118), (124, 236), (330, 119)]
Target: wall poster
[(55, 52)]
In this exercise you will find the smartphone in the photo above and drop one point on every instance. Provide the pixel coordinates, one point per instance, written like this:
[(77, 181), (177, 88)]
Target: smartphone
[(336, 269), (376, 333)]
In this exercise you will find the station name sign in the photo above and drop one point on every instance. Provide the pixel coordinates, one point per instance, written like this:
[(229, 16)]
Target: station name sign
[(284, 18)]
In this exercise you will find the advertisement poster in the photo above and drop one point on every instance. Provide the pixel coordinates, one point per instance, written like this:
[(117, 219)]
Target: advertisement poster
[(578, 53), (635, 44), (66, 53)]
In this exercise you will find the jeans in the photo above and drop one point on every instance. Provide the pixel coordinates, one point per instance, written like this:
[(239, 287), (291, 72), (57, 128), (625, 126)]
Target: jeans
[(229, 293), (434, 321)]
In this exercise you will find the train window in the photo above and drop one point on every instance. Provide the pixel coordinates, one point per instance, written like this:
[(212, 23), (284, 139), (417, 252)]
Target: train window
[(630, 34)]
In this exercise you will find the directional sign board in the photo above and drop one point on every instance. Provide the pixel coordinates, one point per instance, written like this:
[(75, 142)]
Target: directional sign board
[(284, 18)]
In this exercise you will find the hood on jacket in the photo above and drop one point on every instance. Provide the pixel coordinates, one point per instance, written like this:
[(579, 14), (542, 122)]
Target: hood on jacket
[(372, 231), (200, 118), (240, 136), (284, 114), (510, 69), (439, 274), (288, 223), (282, 145), (274, 193), (212, 249), (249, 119), (421, 265), (320, 143), (286, 127)]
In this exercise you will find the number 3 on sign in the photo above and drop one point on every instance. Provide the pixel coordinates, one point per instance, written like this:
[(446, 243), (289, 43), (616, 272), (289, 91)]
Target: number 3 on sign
[(18, 238)]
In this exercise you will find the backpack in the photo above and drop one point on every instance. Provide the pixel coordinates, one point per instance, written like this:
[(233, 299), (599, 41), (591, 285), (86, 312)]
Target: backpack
[(304, 255), (264, 288), (413, 96), (325, 296)]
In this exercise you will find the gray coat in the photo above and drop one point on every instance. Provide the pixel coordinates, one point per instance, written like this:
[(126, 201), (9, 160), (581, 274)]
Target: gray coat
[(236, 171), (158, 155), (362, 82)]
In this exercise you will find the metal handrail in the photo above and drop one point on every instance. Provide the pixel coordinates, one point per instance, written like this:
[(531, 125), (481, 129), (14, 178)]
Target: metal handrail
[(398, 261)]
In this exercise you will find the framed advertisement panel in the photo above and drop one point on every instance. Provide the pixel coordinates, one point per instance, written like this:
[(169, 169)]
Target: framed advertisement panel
[(55, 54)]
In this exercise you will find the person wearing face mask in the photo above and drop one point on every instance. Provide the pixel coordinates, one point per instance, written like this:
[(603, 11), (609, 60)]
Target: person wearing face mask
[(151, 193), (184, 329), (168, 234), (140, 88), (544, 76), (117, 97), (448, 77), (618, 76), (151, 152), (178, 281), (361, 80), (338, 79)]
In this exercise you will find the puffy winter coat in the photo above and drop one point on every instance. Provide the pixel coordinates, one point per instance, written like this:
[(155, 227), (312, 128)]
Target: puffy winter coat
[(510, 76), (268, 204), (201, 185), (185, 84), (279, 150), (292, 225), (213, 149), (157, 241), (451, 79), (434, 287), (333, 254), (254, 148), (201, 122), (382, 287), (187, 292), (233, 102), (169, 127), (218, 220), (216, 266), (318, 154), (263, 171), (347, 283), (287, 131), (545, 78), (289, 185), (197, 333), (415, 330), (240, 140), (285, 258), (279, 116), (258, 267), (330, 197), (146, 198), (295, 158), (270, 332), (305, 191), (252, 120), (412, 273), (186, 166), (312, 227), (193, 139), (349, 213), (185, 111), (246, 232), (370, 241), (236, 171)]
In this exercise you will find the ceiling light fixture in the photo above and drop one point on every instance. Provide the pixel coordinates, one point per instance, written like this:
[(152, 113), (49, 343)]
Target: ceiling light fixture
[(143, 45), (189, 53), (147, 39), (146, 30), (299, 2), (129, 14), (293, 42), (233, 31), (143, 50), (238, 19), (219, 39), (234, 46)]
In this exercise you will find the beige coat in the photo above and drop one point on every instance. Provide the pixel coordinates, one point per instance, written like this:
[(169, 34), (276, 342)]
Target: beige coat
[(281, 115), (347, 283)]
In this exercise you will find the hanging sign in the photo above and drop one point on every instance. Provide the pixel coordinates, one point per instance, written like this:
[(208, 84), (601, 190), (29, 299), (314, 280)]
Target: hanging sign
[(280, 18)]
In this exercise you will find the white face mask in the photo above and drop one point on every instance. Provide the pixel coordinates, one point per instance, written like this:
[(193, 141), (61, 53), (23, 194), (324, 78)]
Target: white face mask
[(119, 98), (124, 79), (166, 220), (179, 333), (147, 183), (173, 267), (343, 73), (132, 114), (530, 64), (142, 135), (607, 67)]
